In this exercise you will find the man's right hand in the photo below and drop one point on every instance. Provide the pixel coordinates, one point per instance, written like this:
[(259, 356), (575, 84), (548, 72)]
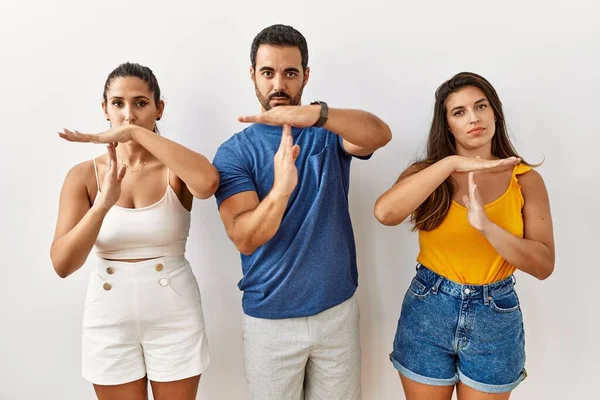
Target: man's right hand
[(286, 173)]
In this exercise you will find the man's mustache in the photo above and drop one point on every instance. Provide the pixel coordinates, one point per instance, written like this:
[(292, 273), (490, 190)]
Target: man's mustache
[(279, 94)]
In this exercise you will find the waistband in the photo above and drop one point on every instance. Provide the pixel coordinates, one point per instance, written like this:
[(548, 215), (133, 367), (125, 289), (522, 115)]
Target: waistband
[(464, 291), (118, 270)]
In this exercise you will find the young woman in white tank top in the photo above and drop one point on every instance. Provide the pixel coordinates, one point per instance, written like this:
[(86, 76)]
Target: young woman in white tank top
[(143, 316)]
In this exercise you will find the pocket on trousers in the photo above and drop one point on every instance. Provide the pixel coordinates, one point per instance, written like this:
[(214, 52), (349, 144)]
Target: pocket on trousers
[(419, 289), (95, 290), (506, 303), (183, 283)]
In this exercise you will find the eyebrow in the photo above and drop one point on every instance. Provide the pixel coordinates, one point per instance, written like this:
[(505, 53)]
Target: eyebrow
[(291, 69), (477, 102), (122, 98)]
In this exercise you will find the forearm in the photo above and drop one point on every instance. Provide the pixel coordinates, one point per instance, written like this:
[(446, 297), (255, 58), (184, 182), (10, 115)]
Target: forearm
[(200, 176), (406, 196), (530, 256), (254, 228), (70, 252), (358, 127)]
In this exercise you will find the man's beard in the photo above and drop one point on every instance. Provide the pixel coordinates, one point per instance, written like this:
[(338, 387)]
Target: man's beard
[(266, 101)]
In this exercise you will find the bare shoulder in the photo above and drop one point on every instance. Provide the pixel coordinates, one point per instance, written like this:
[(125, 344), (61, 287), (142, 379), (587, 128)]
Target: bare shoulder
[(82, 177), (531, 180), (81, 171), (533, 188)]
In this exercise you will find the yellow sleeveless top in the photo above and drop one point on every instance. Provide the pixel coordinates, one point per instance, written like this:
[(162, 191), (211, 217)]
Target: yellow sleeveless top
[(459, 252)]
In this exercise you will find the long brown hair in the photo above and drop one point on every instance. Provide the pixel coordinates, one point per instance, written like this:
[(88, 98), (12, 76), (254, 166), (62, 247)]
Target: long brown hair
[(441, 143)]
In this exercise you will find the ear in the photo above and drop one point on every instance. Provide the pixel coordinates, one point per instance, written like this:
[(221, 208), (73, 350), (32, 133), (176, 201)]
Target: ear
[(105, 110), (252, 74), (160, 108), (306, 76)]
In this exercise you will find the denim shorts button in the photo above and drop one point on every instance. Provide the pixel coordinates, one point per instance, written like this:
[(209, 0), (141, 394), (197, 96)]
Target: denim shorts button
[(467, 291)]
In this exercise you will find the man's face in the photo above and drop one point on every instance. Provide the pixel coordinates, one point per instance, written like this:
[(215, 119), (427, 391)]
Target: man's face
[(278, 77)]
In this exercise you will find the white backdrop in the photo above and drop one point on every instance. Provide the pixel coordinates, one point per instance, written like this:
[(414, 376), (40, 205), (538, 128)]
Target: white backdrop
[(543, 59)]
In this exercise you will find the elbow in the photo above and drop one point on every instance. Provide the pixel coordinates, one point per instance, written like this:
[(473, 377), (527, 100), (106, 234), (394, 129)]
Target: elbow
[(545, 272), (61, 270), (385, 215), (208, 187), (386, 136), (245, 248), (60, 265)]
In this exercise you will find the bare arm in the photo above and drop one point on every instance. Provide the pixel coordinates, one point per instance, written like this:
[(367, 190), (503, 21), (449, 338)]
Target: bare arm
[(250, 223), (533, 253), (410, 191), (78, 224), (361, 131), (415, 185), (199, 175)]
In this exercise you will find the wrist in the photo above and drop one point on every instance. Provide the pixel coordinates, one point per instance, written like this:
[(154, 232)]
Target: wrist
[(451, 163), (323, 112), (100, 209), (488, 228), (278, 195), (133, 132)]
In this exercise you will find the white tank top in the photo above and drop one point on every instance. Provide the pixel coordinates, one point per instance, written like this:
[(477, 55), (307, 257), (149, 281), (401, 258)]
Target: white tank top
[(158, 230)]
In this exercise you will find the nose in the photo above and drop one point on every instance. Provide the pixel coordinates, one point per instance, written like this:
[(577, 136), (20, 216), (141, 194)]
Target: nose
[(129, 115), (278, 84), (473, 118)]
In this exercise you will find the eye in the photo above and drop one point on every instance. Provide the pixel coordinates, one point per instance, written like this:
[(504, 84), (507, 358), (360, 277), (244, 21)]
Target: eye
[(481, 106), (141, 103), (458, 113), (291, 74), (117, 103), (267, 74)]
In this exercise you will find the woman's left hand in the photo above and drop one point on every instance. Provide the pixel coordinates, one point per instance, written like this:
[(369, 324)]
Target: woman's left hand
[(121, 134), (475, 208)]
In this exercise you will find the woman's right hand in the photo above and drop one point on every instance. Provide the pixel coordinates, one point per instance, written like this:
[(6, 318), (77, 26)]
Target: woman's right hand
[(467, 164), (111, 185)]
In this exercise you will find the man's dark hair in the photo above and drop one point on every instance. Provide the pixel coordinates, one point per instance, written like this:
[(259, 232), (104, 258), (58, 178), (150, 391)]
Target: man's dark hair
[(280, 35)]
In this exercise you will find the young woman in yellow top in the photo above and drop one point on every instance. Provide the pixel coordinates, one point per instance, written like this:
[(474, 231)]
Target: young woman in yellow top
[(481, 213)]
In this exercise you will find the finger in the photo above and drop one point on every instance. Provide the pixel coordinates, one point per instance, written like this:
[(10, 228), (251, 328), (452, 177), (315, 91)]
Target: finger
[(112, 157), (288, 148), (295, 152), (121, 173), (471, 178), (250, 118), (472, 189), (86, 137), (287, 130), (466, 201), (477, 195), (283, 139), (66, 137)]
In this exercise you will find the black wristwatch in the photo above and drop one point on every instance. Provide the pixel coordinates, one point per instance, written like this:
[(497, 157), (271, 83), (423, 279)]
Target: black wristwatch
[(324, 112)]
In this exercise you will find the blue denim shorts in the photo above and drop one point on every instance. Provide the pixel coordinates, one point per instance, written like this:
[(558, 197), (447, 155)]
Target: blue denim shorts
[(450, 332)]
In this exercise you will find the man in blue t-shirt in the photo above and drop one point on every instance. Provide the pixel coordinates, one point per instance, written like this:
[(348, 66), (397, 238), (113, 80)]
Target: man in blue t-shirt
[(283, 198)]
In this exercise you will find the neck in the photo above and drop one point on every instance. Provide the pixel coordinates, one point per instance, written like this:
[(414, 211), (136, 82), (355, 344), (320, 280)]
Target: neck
[(133, 154), (484, 152)]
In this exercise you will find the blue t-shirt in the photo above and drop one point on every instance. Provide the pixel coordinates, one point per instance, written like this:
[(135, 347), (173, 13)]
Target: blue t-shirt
[(310, 264)]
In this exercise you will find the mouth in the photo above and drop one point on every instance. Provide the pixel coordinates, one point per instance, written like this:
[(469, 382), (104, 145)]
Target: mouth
[(279, 99), (476, 131)]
